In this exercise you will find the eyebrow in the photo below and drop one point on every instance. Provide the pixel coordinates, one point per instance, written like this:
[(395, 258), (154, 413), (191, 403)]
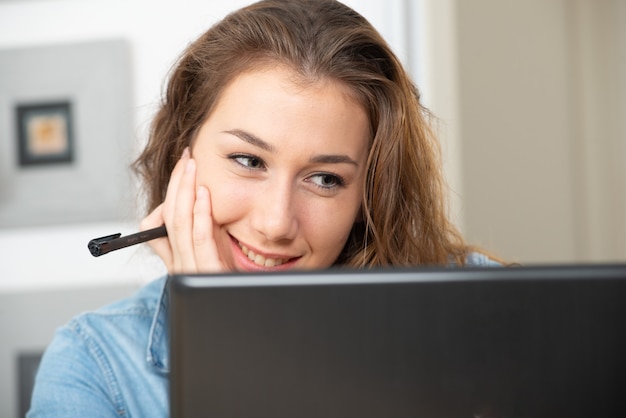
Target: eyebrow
[(321, 159), (251, 139), (333, 159)]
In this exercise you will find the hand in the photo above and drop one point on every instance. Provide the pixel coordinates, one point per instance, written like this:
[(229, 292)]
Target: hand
[(186, 213)]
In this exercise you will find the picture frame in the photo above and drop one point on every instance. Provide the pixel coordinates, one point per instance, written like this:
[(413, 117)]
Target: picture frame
[(76, 168), (45, 134)]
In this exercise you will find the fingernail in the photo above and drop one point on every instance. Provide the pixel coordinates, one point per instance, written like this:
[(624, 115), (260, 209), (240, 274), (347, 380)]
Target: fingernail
[(201, 191), (185, 153)]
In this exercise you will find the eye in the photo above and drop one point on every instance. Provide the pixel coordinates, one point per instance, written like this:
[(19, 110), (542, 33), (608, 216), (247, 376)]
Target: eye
[(248, 161), (327, 181)]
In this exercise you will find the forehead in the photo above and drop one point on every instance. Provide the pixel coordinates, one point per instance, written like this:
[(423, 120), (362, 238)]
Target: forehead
[(274, 102), (294, 81), (297, 80)]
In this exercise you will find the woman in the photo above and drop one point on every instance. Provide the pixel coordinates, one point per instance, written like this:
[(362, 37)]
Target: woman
[(290, 137), (403, 219)]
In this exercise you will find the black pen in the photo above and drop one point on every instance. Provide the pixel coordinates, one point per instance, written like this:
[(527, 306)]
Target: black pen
[(103, 245)]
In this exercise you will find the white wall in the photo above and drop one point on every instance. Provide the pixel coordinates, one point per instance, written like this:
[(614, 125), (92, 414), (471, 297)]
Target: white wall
[(157, 31)]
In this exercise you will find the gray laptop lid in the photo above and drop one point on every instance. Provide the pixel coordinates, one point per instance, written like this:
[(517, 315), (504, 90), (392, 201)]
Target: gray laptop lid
[(471, 342)]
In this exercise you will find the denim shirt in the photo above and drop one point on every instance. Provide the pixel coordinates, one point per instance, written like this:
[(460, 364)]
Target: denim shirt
[(115, 361)]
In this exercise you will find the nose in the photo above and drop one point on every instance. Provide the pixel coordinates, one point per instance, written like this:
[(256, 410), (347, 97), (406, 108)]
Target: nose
[(275, 215)]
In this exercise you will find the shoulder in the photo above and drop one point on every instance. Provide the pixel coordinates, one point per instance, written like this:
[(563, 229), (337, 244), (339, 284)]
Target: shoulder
[(144, 300), (476, 259), (130, 317), (94, 359)]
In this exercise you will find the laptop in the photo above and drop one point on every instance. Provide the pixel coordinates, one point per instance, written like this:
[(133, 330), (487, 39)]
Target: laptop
[(518, 342)]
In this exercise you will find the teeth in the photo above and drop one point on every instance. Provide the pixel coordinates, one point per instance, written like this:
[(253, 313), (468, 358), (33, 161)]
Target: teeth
[(259, 259)]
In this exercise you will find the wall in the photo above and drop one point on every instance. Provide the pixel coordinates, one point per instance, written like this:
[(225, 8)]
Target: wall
[(436, 60), (599, 134), (541, 105)]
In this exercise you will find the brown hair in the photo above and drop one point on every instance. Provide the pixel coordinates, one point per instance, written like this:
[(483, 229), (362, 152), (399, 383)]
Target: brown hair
[(404, 218)]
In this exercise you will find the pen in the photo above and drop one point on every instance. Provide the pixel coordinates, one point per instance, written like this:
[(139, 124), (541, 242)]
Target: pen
[(103, 245)]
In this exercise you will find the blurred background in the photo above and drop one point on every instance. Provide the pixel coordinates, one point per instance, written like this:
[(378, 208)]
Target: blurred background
[(530, 96)]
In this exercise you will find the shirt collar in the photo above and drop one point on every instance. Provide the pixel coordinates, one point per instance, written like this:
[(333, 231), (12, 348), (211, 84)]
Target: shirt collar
[(158, 355)]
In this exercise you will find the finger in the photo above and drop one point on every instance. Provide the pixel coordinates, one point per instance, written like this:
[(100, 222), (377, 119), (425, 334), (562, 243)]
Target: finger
[(205, 248), (172, 187), (182, 220), (153, 220), (168, 208)]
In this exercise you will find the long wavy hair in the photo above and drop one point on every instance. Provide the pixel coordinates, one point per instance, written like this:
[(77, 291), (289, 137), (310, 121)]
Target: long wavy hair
[(404, 218)]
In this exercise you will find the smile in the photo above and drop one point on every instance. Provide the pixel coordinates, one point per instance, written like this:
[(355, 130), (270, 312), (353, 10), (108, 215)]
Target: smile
[(259, 260)]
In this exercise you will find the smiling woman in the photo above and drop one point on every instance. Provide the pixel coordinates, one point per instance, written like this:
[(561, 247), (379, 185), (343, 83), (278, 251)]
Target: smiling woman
[(307, 53), (289, 137)]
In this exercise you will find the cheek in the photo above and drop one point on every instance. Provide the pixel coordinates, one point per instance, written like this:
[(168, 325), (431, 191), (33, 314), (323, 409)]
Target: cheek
[(328, 226), (228, 203), (228, 200)]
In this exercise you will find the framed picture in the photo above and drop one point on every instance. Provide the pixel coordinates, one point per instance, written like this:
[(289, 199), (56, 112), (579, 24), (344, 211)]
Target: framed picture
[(45, 133), (66, 134)]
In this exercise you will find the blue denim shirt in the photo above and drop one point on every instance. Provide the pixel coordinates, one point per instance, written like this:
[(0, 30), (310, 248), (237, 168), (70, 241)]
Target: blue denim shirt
[(115, 361)]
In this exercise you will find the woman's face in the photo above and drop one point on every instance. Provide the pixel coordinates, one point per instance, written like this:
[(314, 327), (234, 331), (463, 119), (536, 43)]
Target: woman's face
[(285, 167)]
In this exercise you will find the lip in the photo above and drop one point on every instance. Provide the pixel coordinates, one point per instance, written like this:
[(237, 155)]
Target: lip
[(245, 264)]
